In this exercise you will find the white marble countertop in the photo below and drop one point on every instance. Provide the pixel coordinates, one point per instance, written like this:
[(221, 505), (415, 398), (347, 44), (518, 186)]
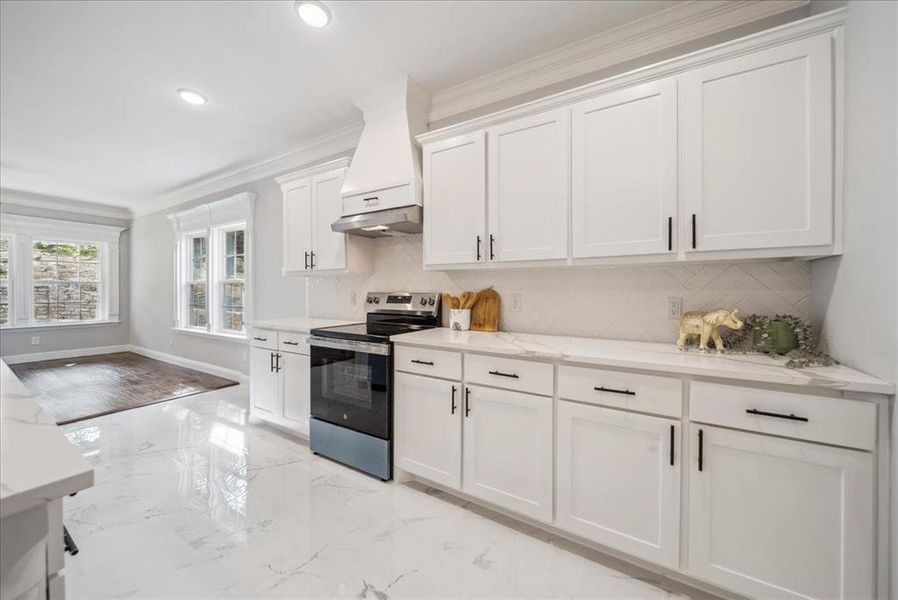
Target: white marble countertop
[(645, 355), (299, 324), (37, 461)]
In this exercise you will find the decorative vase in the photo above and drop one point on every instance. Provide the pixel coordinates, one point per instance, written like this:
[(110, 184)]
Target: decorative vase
[(460, 319), (782, 337)]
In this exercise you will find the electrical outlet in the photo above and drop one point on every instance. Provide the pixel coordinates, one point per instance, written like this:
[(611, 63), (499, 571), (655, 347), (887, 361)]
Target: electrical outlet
[(171, 342), (516, 305), (674, 307), (36, 341)]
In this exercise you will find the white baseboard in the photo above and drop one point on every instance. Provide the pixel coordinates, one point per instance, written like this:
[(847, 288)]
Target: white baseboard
[(15, 359), (190, 363)]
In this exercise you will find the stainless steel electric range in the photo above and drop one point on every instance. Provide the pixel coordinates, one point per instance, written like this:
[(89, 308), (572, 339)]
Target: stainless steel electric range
[(352, 380)]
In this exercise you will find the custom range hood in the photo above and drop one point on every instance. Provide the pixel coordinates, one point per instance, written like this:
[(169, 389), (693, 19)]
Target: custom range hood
[(383, 187)]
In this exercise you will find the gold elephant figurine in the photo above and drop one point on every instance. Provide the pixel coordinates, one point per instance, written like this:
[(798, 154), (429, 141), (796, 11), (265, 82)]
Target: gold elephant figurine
[(707, 326)]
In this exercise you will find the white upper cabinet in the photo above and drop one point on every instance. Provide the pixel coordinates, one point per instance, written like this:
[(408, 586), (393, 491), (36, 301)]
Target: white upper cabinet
[(311, 203), (757, 153), (455, 197), (777, 518), (624, 172), (528, 181), (728, 153), (329, 246), (297, 235)]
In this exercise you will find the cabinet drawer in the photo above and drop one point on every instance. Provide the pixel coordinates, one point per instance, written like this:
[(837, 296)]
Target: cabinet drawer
[(646, 393), (425, 361), (263, 338), (380, 200), (511, 373), (836, 421), (296, 343)]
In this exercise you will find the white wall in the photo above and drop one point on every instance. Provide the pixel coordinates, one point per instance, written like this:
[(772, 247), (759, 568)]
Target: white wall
[(152, 282), (854, 296), (17, 342)]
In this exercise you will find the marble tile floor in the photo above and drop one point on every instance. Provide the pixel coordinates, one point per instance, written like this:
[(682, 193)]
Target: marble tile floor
[(193, 499)]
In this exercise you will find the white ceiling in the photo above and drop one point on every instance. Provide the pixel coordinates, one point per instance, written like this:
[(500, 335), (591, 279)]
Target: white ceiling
[(87, 89)]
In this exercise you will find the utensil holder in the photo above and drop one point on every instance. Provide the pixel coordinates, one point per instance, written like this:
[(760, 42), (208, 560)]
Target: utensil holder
[(460, 319)]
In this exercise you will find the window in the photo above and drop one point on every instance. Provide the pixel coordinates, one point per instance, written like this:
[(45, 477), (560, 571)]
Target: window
[(198, 312), (211, 263), (57, 272), (233, 283), (5, 294), (66, 282)]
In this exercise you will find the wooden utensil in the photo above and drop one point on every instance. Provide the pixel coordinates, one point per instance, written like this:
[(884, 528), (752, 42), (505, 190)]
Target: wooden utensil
[(469, 299), (485, 313), (450, 301)]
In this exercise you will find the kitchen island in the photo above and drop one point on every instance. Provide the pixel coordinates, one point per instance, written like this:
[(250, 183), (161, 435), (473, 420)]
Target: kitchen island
[(38, 468)]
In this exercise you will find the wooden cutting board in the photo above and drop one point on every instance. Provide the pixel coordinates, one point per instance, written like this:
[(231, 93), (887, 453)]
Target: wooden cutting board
[(485, 313)]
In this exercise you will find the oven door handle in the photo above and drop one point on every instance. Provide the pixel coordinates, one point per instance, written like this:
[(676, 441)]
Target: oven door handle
[(350, 345)]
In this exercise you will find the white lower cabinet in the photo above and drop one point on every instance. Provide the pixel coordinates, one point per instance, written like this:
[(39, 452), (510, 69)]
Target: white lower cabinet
[(618, 478), (508, 447), (428, 428), (280, 387), (295, 391), (263, 387), (771, 517)]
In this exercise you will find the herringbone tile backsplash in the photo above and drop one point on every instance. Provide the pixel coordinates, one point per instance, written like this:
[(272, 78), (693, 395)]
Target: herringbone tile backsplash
[(625, 303)]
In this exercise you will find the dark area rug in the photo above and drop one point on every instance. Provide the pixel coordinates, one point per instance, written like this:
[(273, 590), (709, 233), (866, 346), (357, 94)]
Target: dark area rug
[(74, 389)]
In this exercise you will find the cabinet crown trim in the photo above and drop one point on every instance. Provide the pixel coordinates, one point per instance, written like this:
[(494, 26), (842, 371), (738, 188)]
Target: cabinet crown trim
[(811, 26), (331, 165)]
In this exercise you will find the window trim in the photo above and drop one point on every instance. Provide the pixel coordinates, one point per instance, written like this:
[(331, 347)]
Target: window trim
[(212, 220), (10, 280), (24, 230)]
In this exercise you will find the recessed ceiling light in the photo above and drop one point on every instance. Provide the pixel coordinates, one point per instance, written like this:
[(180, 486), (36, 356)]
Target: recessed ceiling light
[(191, 97), (312, 12)]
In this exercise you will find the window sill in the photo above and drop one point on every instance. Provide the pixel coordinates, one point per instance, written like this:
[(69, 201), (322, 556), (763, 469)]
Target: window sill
[(230, 337), (64, 325)]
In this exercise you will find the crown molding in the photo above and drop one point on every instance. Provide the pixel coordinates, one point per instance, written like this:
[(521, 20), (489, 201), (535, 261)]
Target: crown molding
[(341, 140), (677, 25), (829, 22), (18, 198)]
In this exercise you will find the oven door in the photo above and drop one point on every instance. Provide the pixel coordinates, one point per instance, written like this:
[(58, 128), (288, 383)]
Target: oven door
[(351, 385)]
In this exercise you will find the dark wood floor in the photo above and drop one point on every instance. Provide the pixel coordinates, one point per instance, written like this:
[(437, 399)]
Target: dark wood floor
[(73, 389)]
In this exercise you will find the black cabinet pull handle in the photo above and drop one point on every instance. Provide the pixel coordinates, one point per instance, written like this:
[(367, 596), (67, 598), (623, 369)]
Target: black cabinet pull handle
[(453, 407), (693, 231), (277, 363), (492, 253), (422, 362), (258, 339), (701, 451), (271, 362), (467, 401), (669, 234), (764, 413), (307, 259), (478, 248), (312, 261), (501, 374), (614, 391), (671, 445), (291, 343), (371, 199)]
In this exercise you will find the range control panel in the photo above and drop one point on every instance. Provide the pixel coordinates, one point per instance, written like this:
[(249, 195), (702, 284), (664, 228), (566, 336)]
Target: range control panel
[(409, 302)]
